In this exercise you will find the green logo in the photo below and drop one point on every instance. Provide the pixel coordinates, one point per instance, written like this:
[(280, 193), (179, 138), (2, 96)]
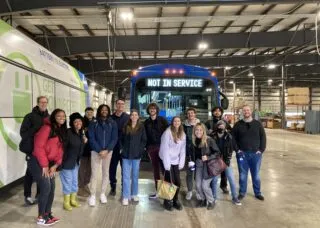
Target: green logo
[(21, 96)]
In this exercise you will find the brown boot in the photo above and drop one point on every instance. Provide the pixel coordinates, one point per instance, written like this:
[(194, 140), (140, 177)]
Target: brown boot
[(82, 192)]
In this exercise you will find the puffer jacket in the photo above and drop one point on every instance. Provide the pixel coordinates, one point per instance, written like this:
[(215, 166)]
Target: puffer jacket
[(103, 135), (29, 127), (212, 151), (47, 150)]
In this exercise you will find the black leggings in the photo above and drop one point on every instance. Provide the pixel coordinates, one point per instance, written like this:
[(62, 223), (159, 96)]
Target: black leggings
[(175, 175), (46, 186)]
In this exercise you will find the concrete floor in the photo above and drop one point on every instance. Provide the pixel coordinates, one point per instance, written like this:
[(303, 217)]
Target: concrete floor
[(290, 182)]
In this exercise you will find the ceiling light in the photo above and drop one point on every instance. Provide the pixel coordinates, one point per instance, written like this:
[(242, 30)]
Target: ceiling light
[(202, 46), (93, 84), (269, 80), (280, 85), (231, 82), (271, 66), (250, 74), (126, 16), (104, 89), (227, 68)]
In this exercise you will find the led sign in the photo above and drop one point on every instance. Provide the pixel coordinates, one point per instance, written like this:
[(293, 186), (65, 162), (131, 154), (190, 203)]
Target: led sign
[(171, 82)]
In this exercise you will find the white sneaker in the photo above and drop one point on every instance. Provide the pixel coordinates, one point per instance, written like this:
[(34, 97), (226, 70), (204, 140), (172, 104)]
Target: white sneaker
[(92, 200), (103, 198), (125, 202), (135, 198), (189, 195)]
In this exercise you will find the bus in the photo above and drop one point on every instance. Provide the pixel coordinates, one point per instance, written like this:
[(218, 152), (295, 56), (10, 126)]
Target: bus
[(175, 88), (28, 70)]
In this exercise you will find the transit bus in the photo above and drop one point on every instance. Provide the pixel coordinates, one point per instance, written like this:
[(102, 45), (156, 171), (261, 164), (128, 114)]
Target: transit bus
[(28, 70), (175, 88)]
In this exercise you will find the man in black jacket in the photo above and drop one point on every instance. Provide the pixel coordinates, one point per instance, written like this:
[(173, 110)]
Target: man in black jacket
[(121, 118), (250, 143), (211, 125), (85, 162), (29, 127)]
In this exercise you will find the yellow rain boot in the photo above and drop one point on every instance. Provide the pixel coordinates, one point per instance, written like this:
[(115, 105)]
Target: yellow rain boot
[(66, 203), (73, 200)]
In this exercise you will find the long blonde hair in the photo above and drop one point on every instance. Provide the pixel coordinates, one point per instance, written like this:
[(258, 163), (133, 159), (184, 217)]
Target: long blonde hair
[(176, 134), (203, 142)]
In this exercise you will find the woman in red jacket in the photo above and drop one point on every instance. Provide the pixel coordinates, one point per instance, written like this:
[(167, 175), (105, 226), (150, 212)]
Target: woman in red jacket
[(48, 153)]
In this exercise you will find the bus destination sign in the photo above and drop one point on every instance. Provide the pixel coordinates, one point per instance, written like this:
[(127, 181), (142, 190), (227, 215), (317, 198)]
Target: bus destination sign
[(176, 83)]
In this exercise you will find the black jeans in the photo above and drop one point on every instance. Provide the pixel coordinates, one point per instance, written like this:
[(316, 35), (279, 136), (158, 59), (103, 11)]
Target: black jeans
[(223, 182), (28, 180), (115, 159), (46, 185), (175, 175)]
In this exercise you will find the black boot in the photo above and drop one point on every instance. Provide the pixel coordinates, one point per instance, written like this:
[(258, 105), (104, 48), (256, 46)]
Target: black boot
[(113, 190), (201, 203), (177, 205), (168, 205), (211, 205)]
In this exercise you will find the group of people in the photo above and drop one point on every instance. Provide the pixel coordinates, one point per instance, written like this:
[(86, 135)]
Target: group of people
[(102, 142)]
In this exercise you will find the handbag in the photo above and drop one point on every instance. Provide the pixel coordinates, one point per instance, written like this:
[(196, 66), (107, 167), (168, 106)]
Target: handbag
[(216, 166), (166, 190)]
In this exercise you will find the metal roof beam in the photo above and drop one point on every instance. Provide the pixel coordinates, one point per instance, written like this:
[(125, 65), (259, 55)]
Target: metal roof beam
[(129, 64), (20, 6), (80, 45)]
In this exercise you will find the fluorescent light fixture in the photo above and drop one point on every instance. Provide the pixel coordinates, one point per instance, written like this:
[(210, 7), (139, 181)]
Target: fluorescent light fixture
[(227, 68), (231, 82), (202, 46), (271, 66), (126, 16), (280, 85), (250, 74), (93, 84), (269, 80)]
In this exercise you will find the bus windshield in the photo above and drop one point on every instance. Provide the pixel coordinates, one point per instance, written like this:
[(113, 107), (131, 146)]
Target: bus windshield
[(174, 93)]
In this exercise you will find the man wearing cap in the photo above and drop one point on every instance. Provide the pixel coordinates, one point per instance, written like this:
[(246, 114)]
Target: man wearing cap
[(250, 143), (211, 125)]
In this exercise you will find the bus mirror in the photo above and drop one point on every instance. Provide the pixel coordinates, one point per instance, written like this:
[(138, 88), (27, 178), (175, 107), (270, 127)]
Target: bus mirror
[(122, 92), (225, 103)]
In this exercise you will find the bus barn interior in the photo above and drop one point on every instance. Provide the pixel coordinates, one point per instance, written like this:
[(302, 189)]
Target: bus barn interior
[(264, 53)]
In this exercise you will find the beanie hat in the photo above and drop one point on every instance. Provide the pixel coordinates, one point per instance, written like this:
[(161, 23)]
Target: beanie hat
[(73, 117), (221, 122)]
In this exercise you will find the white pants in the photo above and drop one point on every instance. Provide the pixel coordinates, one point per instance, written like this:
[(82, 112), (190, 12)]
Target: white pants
[(96, 161)]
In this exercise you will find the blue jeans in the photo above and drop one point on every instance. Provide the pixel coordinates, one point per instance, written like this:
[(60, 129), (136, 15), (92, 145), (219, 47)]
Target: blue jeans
[(69, 180), (229, 175), (249, 160), (130, 166), (214, 185)]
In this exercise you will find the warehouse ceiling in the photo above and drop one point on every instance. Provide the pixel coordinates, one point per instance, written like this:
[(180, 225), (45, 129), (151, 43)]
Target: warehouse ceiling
[(108, 39)]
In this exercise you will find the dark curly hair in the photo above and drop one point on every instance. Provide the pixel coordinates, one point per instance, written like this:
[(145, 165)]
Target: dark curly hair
[(153, 105), (56, 130), (98, 115)]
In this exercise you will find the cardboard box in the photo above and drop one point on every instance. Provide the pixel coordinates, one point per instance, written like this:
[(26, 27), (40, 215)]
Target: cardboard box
[(298, 96)]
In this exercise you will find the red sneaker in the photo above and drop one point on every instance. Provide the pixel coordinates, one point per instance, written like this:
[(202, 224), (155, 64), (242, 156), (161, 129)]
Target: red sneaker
[(44, 221), (53, 219)]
